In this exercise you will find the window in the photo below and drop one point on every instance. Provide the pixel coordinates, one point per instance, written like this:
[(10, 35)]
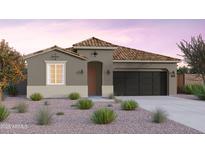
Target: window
[(55, 73)]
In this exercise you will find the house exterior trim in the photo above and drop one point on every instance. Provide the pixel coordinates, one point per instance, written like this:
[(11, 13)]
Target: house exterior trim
[(57, 91), (144, 61), (47, 71), (103, 48), (52, 49), (107, 90)]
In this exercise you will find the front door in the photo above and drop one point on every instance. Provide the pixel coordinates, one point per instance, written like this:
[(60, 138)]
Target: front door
[(94, 78)]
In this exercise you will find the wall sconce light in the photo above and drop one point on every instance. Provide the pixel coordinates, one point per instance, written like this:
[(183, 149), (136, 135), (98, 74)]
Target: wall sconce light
[(172, 74), (94, 53), (81, 71), (108, 72)]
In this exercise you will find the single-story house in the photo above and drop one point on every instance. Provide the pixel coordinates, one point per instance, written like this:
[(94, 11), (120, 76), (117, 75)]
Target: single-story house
[(95, 67)]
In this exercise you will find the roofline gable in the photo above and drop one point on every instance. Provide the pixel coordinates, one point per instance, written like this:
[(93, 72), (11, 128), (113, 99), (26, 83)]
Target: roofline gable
[(146, 61), (52, 49), (94, 42), (93, 47)]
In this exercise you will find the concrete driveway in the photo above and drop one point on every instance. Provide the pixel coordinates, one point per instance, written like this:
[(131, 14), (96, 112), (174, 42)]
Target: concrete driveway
[(189, 112)]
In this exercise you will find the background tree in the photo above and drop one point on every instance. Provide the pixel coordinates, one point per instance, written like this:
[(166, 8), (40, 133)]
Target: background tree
[(11, 66), (182, 70), (194, 54)]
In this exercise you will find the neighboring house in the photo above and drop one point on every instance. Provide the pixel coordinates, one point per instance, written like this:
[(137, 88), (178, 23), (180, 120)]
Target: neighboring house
[(95, 67)]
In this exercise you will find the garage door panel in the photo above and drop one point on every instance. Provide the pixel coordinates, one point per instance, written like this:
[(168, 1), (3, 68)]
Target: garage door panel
[(118, 82), (145, 90), (163, 85), (132, 84), (156, 83), (145, 83), (140, 83)]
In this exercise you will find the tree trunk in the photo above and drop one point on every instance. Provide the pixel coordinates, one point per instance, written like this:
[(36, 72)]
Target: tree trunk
[(203, 77), (1, 95)]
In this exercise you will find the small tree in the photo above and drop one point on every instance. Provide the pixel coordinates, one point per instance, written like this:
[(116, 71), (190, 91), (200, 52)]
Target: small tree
[(11, 66), (194, 54), (182, 70)]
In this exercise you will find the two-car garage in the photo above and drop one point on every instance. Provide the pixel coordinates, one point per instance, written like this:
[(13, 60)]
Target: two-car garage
[(139, 83)]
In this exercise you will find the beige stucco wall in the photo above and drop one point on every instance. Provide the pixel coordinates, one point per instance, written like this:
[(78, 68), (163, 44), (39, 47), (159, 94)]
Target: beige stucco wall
[(37, 69), (104, 56), (169, 67), (76, 81), (37, 72), (107, 90), (57, 91)]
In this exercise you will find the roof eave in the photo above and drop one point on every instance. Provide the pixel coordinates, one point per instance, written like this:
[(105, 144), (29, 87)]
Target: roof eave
[(146, 61), (49, 50), (92, 47)]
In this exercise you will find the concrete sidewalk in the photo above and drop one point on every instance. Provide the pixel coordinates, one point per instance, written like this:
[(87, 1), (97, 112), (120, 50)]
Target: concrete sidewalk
[(189, 112)]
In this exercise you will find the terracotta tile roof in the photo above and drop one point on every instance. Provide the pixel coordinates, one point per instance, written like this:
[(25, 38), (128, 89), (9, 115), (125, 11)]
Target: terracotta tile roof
[(120, 53), (94, 42), (125, 53)]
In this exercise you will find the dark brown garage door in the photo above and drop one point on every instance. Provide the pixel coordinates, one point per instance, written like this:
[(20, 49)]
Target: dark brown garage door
[(139, 83)]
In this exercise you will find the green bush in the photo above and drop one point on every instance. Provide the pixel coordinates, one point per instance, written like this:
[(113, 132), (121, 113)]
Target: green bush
[(44, 117), (74, 96), (111, 96), (36, 97), (159, 116), (60, 113), (129, 105), (200, 92), (191, 88), (22, 107), (4, 112), (188, 89), (103, 116), (11, 90), (84, 104)]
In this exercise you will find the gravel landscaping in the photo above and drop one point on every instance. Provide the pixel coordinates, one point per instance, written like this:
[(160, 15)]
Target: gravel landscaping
[(78, 121)]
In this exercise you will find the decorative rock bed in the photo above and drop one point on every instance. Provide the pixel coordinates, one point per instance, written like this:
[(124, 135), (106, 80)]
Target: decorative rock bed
[(78, 121)]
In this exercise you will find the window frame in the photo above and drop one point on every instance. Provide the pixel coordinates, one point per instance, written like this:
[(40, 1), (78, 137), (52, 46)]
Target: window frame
[(48, 71)]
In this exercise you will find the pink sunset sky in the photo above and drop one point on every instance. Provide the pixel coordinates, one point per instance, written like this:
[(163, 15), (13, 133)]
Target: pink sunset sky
[(158, 36)]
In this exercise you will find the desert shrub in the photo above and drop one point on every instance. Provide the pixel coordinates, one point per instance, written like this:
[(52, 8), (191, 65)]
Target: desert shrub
[(4, 112), (44, 116), (84, 104), (187, 89), (103, 116), (74, 96), (22, 107), (36, 97), (129, 105), (199, 91), (159, 116), (11, 90), (111, 96), (191, 88), (60, 113)]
